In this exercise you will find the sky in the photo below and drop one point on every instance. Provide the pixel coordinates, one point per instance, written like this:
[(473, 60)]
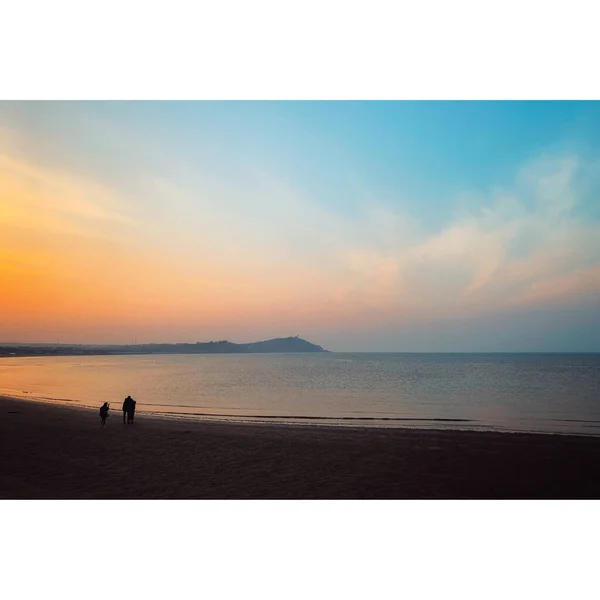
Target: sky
[(360, 226)]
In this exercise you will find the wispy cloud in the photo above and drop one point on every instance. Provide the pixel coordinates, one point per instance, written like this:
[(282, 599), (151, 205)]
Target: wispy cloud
[(526, 238), (27, 188), (184, 248)]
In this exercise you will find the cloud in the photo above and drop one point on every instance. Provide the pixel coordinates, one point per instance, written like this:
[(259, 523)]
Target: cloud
[(520, 239), (185, 249), (28, 189), (383, 266)]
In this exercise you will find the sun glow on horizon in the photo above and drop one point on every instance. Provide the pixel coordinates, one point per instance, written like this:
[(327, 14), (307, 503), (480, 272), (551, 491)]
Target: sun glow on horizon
[(174, 253)]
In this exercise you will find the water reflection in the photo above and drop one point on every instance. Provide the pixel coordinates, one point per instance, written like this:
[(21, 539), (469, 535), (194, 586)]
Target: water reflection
[(505, 392)]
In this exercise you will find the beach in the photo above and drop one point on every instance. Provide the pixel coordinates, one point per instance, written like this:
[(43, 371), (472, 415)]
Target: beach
[(52, 451)]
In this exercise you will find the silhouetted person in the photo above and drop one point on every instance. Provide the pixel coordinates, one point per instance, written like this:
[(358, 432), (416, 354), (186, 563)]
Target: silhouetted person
[(131, 411), (128, 409), (104, 413)]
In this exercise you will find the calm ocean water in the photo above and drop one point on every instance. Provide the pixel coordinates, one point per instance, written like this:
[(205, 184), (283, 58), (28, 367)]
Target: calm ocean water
[(522, 392)]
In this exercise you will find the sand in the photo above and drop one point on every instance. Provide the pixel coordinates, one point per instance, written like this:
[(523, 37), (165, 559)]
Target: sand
[(55, 451)]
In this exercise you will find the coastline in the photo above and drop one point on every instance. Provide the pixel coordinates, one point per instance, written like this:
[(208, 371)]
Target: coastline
[(53, 451), (361, 423), (476, 393)]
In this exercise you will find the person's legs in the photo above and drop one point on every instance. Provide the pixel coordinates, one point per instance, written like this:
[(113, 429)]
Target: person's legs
[(124, 413)]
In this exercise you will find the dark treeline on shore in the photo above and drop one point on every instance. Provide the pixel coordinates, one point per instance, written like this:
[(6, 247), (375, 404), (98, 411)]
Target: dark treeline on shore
[(289, 344)]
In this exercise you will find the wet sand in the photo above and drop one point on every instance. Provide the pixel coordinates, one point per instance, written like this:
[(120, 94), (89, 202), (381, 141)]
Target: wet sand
[(55, 451)]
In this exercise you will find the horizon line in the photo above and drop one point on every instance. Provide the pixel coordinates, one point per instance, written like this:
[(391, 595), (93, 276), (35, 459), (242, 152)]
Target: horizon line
[(53, 344)]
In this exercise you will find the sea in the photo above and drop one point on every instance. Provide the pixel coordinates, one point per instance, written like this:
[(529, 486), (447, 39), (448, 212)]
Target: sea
[(549, 393)]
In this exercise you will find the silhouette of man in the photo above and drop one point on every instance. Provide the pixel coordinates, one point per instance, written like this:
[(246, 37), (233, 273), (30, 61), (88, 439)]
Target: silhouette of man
[(128, 409)]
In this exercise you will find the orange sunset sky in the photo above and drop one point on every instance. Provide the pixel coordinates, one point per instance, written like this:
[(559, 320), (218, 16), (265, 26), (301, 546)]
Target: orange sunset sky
[(359, 226)]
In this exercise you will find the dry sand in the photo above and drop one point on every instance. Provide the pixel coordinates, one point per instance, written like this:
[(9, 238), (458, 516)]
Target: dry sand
[(53, 451)]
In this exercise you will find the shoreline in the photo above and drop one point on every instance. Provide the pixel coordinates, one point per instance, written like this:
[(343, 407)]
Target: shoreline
[(305, 421), (52, 451)]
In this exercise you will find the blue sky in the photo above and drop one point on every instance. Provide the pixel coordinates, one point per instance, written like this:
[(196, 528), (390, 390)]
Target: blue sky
[(361, 225)]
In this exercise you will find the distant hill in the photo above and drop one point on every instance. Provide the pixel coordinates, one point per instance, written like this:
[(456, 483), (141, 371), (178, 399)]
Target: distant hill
[(277, 345), (289, 344)]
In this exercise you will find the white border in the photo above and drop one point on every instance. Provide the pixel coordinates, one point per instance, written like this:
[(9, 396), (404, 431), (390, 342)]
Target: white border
[(315, 49)]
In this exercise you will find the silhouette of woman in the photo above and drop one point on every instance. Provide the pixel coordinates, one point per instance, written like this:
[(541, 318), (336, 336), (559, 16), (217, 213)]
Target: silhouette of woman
[(104, 413), (131, 411)]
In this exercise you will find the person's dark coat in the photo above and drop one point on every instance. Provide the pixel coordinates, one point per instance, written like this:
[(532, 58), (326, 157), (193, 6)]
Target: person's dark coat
[(129, 408)]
